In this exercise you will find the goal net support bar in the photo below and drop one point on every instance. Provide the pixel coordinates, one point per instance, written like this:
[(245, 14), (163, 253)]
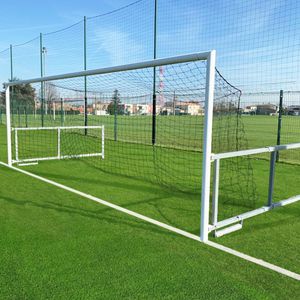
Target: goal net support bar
[(221, 227)]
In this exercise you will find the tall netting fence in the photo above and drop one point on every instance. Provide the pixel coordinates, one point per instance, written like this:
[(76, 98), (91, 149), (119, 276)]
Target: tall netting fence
[(26, 60), (121, 36), (251, 39), (63, 50)]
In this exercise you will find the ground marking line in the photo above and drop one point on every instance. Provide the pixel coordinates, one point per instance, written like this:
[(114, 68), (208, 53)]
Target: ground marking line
[(163, 225)]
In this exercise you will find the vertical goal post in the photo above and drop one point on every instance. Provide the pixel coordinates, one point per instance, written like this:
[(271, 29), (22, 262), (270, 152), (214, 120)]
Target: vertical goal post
[(209, 57)]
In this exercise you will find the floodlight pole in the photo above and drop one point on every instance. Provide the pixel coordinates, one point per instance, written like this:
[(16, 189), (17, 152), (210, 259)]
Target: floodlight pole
[(207, 144), (8, 125)]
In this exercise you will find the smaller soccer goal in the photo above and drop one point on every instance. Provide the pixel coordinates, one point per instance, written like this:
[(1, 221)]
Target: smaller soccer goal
[(50, 143)]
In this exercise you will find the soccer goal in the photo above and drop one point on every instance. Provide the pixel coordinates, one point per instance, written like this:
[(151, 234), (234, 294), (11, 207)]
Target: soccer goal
[(35, 144), (165, 121), (158, 110)]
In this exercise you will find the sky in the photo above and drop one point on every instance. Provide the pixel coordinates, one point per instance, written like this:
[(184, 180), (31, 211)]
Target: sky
[(257, 42), (28, 18)]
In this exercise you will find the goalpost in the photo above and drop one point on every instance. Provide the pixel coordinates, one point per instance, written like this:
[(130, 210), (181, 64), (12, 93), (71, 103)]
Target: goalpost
[(174, 141), (206, 91)]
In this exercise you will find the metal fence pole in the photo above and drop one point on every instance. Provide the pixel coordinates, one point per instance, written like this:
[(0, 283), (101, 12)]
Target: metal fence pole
[(85, 78), (154, 77), (272, 177), (279, 122), (61, 112), (26, 116), (11, 78), (42, 83), (115, 116)]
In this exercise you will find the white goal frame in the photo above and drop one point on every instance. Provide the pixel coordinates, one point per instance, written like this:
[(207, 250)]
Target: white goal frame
[(58, 156), (209, 57), (219, 227), (223, 227)]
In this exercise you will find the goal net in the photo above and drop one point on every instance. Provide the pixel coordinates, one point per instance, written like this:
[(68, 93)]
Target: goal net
[(35, 144), (163, 119)]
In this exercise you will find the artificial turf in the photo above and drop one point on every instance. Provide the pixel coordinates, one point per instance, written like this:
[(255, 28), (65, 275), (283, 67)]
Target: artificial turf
[(57, 245), (113, 256)]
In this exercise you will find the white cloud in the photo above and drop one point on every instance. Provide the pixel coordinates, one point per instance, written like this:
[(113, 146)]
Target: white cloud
[(118, 46)]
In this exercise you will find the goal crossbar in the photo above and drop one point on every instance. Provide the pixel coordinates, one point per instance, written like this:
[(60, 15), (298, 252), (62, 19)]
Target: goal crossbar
[(128, 67)]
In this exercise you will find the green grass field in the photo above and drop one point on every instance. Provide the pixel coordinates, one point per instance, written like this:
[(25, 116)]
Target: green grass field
[(58, 245)]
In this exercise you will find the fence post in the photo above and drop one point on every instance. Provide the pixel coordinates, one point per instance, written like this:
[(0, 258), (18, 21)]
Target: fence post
[(154, 78), (61, 112), (272, 177), (11, 79), (42, 83), (115, 116), (19, 117), (279, 122), (85, 79), (26, 116)]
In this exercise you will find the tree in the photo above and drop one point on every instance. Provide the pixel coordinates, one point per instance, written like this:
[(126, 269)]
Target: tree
[(21, 95), (50, 94), (115, 105), (2, 99)]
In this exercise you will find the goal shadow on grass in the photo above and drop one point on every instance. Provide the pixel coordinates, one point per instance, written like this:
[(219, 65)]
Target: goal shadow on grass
[(99, 214), (174, 208)]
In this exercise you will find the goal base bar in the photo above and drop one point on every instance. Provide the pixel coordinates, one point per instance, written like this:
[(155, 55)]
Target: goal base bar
[(28, 164), (35, 160), (250, 214), (227, 230)]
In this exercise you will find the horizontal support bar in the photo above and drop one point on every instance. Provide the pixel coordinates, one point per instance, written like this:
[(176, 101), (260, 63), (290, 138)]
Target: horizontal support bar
[(255, 151), (28, 164), (81, 155), (135, 66), (56, 128), (227, 230), (34, 159), (55, 157), (253, 213)]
